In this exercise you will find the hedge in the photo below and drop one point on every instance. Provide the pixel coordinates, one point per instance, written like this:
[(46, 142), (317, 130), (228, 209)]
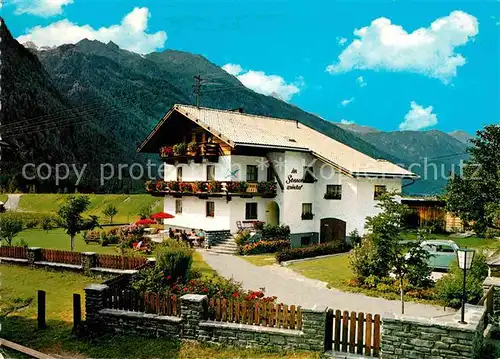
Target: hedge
[(311, 251), (265, 247)]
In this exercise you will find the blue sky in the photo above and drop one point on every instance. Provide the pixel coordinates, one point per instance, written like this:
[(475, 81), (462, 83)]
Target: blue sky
[(445, 76)]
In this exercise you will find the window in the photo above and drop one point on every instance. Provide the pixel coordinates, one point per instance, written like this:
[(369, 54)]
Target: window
[(270, 174), (307, 211), (178, 206), (379, 191), (305, 241), (251, 211), (210, 173), (333, 191), (309, 175), (179, 174), (210, 209), (252, 174)]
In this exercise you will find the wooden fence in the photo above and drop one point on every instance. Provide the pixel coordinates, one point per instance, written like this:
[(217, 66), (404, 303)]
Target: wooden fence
[(353, 332), (119, 262), (14, 252), (152, 303), (255, 313), (487, 302), (67, 257)]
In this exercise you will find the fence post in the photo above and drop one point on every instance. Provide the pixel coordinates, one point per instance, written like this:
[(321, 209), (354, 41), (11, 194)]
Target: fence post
[(194, 308), (329, 330), (77, 312), (95, 297), (41, 310), (314, 327), (89, 260), (34, 255)]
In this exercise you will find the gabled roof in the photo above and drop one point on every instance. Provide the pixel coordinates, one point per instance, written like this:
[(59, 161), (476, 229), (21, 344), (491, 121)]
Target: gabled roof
[(239, 129)]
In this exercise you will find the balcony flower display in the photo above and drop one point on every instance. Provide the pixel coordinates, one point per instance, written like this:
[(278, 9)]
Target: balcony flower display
[(166, 151), (186, 187), (161, 186), (193, 148), (267, 187), (150, 185), (180, 149), (236, 187)]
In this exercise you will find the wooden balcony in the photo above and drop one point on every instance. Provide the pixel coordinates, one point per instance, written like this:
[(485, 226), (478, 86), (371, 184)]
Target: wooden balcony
[(204, 189), (182, 152)]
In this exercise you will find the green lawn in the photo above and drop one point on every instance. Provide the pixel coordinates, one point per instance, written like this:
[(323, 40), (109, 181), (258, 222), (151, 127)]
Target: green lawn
[(3, 197), (128, 205), (333, 270), (58, 239), (19, 284), (261, 259)]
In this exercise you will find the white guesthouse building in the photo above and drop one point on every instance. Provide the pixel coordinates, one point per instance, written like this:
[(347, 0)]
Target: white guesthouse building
[(225, 169)]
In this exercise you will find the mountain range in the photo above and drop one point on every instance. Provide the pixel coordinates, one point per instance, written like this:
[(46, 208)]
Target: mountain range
[(92, 103)]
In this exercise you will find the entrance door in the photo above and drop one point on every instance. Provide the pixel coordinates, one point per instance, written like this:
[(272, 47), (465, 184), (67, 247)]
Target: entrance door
[(273, 213), (332, 229)]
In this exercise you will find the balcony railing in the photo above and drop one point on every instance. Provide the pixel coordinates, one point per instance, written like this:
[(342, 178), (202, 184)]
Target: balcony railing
[(182, 152), (212, 188)]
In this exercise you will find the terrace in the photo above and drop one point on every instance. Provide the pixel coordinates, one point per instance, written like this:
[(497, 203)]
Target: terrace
[(212, 188)]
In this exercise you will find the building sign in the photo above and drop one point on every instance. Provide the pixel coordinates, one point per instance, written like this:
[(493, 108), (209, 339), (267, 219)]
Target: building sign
[(294, 183)]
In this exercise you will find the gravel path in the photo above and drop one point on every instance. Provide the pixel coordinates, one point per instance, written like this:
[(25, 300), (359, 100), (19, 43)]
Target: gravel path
[(293, 288), (12, 202)]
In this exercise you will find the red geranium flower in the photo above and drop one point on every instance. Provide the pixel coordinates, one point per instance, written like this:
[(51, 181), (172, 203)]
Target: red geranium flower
[(169, 277), (236, 295)]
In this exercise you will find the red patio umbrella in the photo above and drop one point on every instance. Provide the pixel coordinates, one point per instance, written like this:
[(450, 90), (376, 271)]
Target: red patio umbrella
[(145, 222), (162, 215)]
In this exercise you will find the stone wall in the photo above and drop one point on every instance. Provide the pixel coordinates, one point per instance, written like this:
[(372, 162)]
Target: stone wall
[(424, 338), (193, 324)]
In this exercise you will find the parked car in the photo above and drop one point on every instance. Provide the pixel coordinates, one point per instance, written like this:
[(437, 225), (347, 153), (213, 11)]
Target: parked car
[(442, 253)]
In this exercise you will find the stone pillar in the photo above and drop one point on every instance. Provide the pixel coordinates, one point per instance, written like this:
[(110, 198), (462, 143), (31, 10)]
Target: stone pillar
[(34, 255), (313, 327), (89, 260), (194, 308), (94, 303)]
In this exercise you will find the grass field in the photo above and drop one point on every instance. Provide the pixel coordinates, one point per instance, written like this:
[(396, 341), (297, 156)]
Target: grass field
[(58, 239), (128, 205), (19, 285), (3, 197), (261, 259)]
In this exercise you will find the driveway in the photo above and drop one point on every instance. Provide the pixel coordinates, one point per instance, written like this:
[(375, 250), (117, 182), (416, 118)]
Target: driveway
[(293, 288), (12, 202)]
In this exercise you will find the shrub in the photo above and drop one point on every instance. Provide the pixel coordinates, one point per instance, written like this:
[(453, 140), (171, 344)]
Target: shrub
[(311, 251), (111, 237), (275, 232), (449, 288), (265, 247), (145, 212), (363, 259), (355, 237), (242, 238), (371, 281), (492, 233), (174, 259)]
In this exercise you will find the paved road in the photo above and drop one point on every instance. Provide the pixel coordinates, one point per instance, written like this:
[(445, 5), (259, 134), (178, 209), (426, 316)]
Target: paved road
[(293, 288), (12, 202)]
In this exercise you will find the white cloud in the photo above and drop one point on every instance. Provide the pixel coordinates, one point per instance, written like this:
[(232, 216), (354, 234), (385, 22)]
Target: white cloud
[(347, 122), (43, 8), (361, 81), (270, 85), (232, 69), (346, 102), (131, 34), (428, 51), (341, 41), (418, 118)]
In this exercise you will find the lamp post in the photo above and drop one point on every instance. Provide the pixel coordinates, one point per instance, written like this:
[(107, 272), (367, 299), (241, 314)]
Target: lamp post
[(464, 257)]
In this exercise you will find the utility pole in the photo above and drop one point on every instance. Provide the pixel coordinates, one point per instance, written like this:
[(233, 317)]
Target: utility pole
[(197, 89)]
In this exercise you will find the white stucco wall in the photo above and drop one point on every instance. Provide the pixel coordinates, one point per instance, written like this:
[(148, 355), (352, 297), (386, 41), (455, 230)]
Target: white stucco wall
[(356, 204)]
